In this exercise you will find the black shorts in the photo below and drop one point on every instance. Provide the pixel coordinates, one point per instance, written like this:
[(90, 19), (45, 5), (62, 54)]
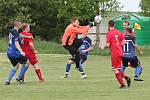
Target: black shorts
[(82, 59), (15, 61), (134, 62)]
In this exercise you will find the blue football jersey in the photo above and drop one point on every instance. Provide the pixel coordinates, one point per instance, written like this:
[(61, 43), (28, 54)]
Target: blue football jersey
[(12, 51), (129, 48), (85, 45)]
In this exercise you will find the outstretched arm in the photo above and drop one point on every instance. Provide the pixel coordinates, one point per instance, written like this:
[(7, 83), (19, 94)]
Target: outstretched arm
[(89, 49), (138, 49), (24, 36)]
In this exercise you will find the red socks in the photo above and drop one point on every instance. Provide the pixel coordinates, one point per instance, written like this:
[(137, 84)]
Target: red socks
[(38, 72), (122, 74), (119, 78)]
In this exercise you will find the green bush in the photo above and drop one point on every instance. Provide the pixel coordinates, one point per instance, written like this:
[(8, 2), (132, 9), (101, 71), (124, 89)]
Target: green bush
[(50, 47)]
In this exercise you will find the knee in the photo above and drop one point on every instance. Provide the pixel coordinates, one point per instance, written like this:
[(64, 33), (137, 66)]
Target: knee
[(115, 70), (70, 62)]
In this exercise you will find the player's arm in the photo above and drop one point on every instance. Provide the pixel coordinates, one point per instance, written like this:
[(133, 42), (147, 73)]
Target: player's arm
[(136, 46), (32, 47), (138, 49), (79, 30), (24, 36), (107, 42), (19, 48), (89, 49)]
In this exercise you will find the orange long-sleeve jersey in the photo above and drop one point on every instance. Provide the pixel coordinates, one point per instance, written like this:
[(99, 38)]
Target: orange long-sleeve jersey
[(70, 33)]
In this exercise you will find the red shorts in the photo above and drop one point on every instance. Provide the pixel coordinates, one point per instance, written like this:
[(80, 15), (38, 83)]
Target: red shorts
[(116, 62), (31, 57)]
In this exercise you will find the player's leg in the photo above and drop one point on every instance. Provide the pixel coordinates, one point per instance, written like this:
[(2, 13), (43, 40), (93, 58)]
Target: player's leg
[(119, 77), (82, 60), (138, 68), (38, 72), (13, 70), (116, 63), (68, 65), (28, 64), (22, 60), (124, 64), (75, 46), (34, 61)]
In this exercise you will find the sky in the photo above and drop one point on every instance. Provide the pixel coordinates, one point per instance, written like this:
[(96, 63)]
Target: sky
[(130, 5)]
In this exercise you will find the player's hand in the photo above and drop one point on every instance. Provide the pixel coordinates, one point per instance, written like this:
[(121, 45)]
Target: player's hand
[(31, 37), (35, 52), (141, 52), (22, 53), (91, 24)]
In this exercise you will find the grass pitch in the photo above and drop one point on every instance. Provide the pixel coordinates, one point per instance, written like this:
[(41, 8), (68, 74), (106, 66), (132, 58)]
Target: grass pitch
[(100, 85)]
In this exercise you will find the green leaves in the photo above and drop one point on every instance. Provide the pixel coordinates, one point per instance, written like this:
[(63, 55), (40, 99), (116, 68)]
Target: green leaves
[(49, 18), (144, 4)]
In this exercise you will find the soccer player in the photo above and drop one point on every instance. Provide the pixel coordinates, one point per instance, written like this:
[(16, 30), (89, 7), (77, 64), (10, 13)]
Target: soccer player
[(114, 40), (129, 55), (15, 53), (126, 25), (30, 52), (70, 41), (83, 49)]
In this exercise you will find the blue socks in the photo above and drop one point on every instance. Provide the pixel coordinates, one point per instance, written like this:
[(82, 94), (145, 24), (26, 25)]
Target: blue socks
[(138, 70), (68, 68), (22, 71), (12, 73)]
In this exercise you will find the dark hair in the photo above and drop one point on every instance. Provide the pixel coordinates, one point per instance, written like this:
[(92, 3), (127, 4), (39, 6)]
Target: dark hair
[(88, 39), (16, 22), (73, 19), (126, 22), (111, 23), (129, 30)]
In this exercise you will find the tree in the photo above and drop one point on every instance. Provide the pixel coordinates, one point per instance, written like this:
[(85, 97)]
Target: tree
[(144, 4), (48, 18)]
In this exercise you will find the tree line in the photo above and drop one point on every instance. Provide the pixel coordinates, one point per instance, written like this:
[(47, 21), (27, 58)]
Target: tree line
[(48, 18)]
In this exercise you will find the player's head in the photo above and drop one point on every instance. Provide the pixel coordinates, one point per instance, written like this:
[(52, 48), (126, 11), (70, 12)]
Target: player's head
[(17, 24), (111, 23), (74, 21), (129, 31), (26, 27), (126, 24)]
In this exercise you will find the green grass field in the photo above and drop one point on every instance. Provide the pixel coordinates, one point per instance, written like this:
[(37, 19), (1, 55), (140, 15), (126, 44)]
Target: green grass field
[(100, 85)]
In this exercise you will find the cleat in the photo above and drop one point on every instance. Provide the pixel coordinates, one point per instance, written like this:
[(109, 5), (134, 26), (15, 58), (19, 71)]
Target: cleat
[(21, 81), (83, 77), (66, 76), (42, 80), (138, 79), (7, 83), (128, 81), (76, 68), (122, 87)]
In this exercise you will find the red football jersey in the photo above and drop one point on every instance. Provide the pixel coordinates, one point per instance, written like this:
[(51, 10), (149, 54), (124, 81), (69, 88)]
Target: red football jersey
[(25, 45), (115, 37)]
